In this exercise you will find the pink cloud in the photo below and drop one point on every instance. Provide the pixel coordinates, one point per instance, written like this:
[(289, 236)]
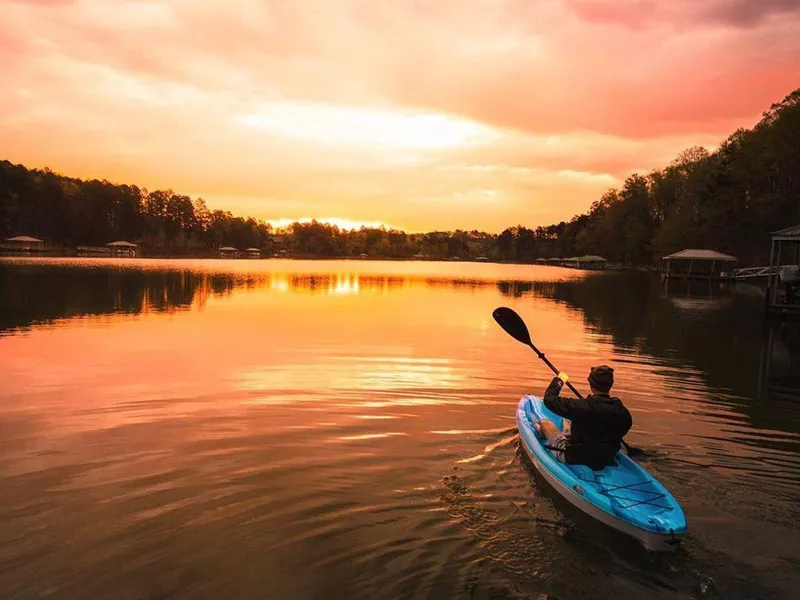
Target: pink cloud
[(542, 68)]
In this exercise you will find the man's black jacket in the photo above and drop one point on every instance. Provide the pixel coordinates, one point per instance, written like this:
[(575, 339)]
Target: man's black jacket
[(599, 422)]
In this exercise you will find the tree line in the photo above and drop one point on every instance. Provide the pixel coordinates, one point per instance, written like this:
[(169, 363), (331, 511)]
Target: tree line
[(728, 200)]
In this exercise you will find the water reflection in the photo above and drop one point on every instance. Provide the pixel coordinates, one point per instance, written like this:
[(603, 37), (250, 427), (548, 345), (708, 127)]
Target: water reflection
[(698, 296), (307, 425), (717, 331), (634, 310), (30, 296), (779, 366), (360, 373), (706, 326), (38, 294)]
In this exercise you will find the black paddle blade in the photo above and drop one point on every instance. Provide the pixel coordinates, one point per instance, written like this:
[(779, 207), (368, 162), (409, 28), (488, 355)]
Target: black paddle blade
[(513, 324)]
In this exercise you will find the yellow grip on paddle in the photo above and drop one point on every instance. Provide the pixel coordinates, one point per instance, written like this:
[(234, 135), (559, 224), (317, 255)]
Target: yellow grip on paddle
[(563, 377)]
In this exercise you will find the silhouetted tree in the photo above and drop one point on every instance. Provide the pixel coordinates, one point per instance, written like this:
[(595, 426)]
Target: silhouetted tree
[(729, 200)]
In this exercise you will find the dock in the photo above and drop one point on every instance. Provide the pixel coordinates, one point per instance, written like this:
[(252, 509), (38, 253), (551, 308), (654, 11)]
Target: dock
[(755, 272), (701, 263), (783, 280)]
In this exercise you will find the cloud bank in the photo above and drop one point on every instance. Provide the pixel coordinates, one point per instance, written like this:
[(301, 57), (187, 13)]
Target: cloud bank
[(472, 114)]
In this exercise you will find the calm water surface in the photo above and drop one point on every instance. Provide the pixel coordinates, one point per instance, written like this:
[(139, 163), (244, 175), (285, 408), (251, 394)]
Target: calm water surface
[(345, 429)]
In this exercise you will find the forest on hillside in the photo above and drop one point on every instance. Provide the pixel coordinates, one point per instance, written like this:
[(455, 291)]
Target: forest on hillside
[(729, 200)]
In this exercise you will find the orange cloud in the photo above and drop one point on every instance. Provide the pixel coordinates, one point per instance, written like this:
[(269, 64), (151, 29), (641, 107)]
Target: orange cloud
[(470, 114)]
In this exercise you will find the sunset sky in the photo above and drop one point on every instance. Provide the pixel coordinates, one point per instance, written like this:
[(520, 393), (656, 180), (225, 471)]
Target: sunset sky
[(422, 114)]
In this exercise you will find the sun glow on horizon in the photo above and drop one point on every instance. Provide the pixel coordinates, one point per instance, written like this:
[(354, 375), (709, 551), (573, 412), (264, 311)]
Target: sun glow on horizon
[(347, 224)]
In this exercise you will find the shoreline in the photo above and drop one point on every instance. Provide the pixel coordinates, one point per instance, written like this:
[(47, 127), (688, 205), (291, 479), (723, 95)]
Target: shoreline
[(215, 256)]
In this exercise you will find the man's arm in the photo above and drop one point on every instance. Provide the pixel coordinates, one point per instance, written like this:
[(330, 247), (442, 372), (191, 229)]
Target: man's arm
[(566, 407)]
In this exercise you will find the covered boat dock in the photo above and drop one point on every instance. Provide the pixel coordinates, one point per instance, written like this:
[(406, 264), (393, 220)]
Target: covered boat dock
[(23, 243), (699, 264), (122, 248), (228, 252), (589, 261), (783, 285)]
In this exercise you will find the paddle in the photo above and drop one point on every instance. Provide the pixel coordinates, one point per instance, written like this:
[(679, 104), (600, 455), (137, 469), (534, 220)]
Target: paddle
[(514, 326)]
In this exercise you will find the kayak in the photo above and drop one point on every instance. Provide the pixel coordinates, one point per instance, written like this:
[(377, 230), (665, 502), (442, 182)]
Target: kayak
[(623, 495)]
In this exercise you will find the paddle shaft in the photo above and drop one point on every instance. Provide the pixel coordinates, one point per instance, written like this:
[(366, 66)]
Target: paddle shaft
[(556, 371)]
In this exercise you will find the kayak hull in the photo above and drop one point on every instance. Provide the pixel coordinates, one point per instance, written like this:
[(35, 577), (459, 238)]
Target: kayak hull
[(623, 496)]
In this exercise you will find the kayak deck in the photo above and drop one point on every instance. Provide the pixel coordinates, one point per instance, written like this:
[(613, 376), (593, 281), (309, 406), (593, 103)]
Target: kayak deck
[(623, 495)]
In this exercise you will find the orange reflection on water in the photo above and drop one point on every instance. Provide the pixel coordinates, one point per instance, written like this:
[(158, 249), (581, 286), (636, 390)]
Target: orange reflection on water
[(338, 283), (170, 344)]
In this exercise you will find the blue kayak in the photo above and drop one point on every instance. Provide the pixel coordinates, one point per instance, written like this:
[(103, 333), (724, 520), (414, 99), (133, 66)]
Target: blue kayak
[(623, 496)]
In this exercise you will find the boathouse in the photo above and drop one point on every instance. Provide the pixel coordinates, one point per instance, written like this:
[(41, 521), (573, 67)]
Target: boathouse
[(589, 261), (122, 248), (699, 264), (253, 253), (783, 285), (228, 252), (23, 243)]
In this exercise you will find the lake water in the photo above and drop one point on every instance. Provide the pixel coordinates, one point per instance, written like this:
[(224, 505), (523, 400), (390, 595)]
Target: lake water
[(345, 429)]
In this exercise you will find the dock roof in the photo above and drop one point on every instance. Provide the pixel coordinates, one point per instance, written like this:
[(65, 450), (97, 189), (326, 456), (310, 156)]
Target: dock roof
[(121, 244), (700, 254), (790, 233), (592, 258), (24, 238), (585, 258)]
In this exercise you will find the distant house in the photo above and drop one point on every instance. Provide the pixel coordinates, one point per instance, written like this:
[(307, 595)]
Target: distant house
[(253, 252), (228, 252), (699, 264), (23, 243), (122, 248)]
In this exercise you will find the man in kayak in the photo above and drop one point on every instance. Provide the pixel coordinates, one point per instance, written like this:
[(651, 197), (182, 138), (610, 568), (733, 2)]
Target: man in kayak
[(598, 422)]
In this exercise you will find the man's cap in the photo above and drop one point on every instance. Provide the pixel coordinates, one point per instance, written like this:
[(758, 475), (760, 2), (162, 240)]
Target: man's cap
[(601, 378)]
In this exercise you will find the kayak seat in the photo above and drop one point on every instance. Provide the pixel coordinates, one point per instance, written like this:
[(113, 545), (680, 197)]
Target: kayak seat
[(612, 464)]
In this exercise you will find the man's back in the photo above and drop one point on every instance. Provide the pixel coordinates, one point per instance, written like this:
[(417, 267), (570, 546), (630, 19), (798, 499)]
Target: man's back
[(599, 422)]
